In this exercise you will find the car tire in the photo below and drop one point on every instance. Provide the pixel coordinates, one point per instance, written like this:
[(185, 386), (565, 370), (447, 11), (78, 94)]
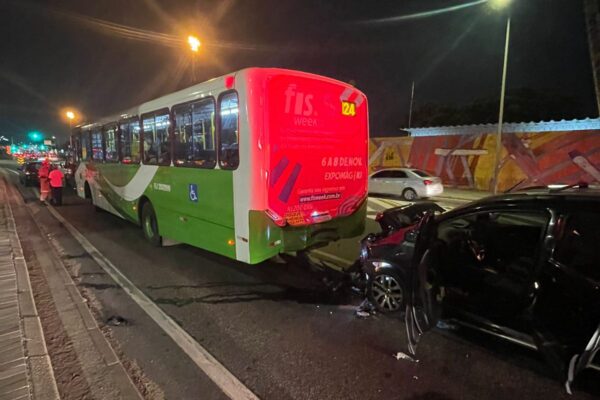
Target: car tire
[(409, 194), (386, 291), (150, 225)]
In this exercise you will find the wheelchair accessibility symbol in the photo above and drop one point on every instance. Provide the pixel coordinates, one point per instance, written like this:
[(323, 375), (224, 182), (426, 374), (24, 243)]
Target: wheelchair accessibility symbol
[(193, 192)]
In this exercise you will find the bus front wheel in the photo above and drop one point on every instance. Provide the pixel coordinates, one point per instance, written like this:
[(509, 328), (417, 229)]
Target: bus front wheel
[(150, 225)]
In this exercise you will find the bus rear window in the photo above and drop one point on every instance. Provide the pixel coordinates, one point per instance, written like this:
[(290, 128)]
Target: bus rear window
[(228, 131)]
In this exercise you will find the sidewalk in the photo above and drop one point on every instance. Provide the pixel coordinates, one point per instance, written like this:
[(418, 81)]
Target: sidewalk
[(57, 350), (25, 367)]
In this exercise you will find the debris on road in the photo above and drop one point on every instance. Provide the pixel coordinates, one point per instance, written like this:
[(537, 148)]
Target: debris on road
[(403, 356), (116, 320), (365, 309)]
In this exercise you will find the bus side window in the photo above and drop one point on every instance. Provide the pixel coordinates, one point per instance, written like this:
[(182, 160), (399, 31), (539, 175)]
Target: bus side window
[(157, 146), (129, 141), (229, 157), (76, 140), (110, 141), (97, 146), (194, 134), (85, 145)]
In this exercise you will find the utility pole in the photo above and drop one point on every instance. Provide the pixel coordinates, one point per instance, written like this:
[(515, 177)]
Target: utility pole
[(410, 108), (592, 19), (501, 112)]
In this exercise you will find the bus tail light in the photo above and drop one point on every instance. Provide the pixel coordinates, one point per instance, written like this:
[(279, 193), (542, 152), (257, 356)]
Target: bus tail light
[(231, 242)]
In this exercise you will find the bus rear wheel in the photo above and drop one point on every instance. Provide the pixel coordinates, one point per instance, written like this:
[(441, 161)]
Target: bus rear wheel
[(150, 225)]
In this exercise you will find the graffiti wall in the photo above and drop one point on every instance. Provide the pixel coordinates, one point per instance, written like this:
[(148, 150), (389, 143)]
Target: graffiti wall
[(529, 157)]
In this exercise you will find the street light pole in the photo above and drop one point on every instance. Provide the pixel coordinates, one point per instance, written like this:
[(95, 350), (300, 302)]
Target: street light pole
[(412, 97), (501, 112)]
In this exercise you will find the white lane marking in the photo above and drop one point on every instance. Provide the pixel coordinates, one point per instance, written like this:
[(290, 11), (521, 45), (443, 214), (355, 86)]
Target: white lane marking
[(383, 202), (377, 202), (216, 371)]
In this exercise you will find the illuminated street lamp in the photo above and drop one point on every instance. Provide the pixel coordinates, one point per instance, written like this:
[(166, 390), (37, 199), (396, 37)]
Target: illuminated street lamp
[(195, 44), (70, 114), (498, 5)]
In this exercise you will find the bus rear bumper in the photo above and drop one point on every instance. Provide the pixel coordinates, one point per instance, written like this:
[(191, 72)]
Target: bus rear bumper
[(268, 239)]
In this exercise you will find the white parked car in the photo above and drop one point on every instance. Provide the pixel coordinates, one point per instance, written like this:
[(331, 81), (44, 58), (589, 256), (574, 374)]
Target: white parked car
[(409, 183)]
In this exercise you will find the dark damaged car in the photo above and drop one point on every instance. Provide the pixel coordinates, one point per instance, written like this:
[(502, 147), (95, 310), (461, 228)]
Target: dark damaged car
[(521, 266)]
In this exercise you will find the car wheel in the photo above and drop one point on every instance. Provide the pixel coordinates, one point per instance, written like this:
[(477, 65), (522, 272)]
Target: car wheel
[(409, 194), (386, 291), (150, 225)]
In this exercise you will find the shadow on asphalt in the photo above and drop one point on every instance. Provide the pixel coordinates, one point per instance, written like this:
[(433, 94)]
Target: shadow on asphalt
[(237, 294)]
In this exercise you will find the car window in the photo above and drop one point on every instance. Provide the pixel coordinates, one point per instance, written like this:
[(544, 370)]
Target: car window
[(420, 173), (397, 174), (389, 174), (506, 243), (577, 247)]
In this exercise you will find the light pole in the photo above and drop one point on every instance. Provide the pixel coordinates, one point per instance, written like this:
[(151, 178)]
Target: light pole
[(501, 4), (195, 44), (70, 116)]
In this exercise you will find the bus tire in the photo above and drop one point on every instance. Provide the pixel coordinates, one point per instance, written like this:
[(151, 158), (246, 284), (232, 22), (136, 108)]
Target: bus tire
[(150, 225)]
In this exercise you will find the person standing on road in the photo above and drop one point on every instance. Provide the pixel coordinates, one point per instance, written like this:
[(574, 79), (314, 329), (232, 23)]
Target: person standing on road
[(56, 183), (43, 173)]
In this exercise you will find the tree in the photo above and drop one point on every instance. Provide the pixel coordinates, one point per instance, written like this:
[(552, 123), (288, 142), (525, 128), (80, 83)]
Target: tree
[(522, 105)]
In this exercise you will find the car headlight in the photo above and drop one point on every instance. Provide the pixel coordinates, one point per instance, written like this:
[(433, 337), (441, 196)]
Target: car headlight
[(381, 264), (364, 253)]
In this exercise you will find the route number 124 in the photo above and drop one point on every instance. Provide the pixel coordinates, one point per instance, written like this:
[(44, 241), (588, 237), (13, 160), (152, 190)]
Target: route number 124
[(348, 108)]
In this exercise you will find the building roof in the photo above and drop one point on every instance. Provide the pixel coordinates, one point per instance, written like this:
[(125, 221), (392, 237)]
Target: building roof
[(519, 127)]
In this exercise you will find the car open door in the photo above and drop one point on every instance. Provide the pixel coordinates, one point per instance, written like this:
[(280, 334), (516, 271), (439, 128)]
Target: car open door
[(579, 362), (425, 292)]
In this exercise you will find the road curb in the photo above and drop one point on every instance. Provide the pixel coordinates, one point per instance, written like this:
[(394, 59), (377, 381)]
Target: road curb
[(39, 365)]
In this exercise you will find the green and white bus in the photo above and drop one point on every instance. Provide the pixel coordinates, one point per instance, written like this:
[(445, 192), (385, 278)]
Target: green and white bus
[(248, 165)]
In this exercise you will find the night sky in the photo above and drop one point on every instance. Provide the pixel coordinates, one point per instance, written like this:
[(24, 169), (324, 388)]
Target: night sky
[(77, 53)]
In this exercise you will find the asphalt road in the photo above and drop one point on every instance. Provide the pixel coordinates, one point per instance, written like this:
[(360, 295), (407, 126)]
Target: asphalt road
[(276, 326)]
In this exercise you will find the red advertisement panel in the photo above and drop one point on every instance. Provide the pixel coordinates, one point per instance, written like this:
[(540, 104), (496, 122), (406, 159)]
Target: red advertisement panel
[(318, 149)]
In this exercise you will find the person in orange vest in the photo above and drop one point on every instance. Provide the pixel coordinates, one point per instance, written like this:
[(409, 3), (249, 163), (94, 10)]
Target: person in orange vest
[(56, 184), (44, 181)]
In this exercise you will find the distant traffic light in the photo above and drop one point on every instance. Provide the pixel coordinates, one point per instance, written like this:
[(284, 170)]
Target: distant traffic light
[(35, 136)]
